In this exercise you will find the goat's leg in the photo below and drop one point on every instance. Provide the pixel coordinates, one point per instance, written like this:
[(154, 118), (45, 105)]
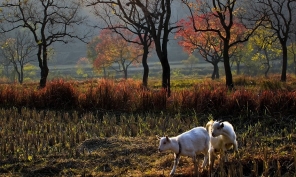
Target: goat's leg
[(195, 165), (211, 159), (206, 159), (176, 161), (224, 156), (235, 146)]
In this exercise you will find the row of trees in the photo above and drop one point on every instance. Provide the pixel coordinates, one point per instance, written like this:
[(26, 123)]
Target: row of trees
[(222, 18), (109, 48), (227, 31), (17, 51), (47, 21), (217, 29)]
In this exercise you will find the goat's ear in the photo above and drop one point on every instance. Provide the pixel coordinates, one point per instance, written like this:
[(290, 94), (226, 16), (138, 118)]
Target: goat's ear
[(167, 138), (221, 125), (158, 137)]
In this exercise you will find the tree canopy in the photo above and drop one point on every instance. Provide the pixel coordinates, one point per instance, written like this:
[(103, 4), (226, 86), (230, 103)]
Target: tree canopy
[(112, 48)]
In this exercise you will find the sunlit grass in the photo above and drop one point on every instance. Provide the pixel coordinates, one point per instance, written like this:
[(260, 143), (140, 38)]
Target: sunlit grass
[(68, 143), (108, 127)]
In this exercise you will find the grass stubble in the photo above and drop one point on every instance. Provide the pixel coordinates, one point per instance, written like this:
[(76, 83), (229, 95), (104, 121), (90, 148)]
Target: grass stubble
[(108, 129), (49, 143)]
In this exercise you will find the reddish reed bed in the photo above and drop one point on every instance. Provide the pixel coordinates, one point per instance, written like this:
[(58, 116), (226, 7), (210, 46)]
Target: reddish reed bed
[(206, 97)]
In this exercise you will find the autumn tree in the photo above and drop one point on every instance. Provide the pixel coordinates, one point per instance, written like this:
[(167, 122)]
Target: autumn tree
[(154, 18), (92, 55), (265, 48), (80, 65), (282, 20), (113, 18), (18, 51), (190, 62), (49, 21), (207, 43), (227, 14), (113, 49)]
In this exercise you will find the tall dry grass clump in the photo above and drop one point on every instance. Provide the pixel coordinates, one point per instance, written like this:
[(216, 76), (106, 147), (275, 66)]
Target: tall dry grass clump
[(110, 95), (58, 94), (206, 97)]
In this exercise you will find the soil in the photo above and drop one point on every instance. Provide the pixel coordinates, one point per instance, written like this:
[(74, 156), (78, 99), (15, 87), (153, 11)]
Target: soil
[(138, 156)]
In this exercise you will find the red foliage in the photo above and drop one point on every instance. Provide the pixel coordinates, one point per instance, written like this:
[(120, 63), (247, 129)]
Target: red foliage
[(112, 47), (129, 96), (208, 39)]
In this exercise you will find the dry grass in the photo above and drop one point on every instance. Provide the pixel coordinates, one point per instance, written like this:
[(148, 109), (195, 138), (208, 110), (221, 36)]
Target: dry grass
[(251, 96), (49, 143), (108, 128)]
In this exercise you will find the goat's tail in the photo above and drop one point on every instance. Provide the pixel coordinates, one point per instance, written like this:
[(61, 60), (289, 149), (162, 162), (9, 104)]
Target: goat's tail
[(209, 126)]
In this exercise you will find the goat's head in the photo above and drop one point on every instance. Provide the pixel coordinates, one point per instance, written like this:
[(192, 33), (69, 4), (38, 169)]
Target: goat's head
[(209, 126), (164, 143), (217, 128)]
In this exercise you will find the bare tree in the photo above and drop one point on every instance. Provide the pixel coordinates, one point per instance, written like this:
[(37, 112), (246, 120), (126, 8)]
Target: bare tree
[(153, 17), (4, 64), (19, 52), (227, 12), (281, 19), (48, 21)]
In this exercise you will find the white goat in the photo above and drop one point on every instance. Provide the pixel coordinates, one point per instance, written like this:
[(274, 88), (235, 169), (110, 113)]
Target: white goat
[(222, 138), (190, 143)]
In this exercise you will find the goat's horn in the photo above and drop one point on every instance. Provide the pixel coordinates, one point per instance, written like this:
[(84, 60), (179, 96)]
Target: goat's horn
[(220, 121)]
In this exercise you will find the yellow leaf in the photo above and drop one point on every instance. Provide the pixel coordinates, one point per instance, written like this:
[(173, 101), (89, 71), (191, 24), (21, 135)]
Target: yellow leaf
[(30, 158)]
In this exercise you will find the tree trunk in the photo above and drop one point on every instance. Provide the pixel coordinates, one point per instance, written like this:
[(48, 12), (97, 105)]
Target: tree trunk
[(166, 75), (146, 67), (104, 71), (228, 74), (18, 73), (125, 73), (21, 75), (215, 74), (44, 74), (42, 65), (268, 64), (285, 62), (161, 51), (238, 68), (267, 70)]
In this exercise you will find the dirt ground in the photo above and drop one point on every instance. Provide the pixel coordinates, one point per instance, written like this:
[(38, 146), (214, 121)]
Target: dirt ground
[(127, 156)]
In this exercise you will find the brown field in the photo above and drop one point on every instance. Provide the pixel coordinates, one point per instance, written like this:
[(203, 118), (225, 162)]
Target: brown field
[(48, 143), (81, 129)]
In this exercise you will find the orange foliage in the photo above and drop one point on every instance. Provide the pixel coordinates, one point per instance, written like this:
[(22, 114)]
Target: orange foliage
[(206, 40), (112, 47)]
